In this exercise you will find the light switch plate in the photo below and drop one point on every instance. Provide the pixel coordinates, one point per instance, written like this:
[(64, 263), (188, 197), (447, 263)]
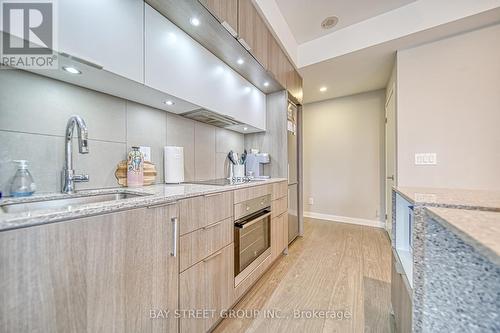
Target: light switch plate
[(146, 152), (311, 200), (425, 159)]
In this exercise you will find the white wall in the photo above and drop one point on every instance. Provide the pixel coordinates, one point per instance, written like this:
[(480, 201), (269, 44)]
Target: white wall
[(344, 156), (449, 104)]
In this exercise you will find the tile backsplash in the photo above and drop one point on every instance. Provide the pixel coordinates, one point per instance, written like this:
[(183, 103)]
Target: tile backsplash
[(33, 115)]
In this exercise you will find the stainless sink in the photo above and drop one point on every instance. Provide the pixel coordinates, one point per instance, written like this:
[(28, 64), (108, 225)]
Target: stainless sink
[(66, 203)]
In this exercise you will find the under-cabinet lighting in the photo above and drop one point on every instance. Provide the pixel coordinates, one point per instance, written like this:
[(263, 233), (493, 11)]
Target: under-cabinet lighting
[(240, 61), (71, 70), (245, 128), (322, 89), (266, 84), (195, 21), (169, 102)]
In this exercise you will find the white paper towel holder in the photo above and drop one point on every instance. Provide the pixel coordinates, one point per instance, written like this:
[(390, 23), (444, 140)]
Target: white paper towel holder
[(173, 164)]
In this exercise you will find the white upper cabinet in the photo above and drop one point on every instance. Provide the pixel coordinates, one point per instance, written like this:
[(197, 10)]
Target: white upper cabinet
[(109, 33), (178, 65)]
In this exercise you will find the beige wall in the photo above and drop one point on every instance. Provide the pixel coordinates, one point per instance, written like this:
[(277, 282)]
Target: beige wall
[(449, 104), (33, 115), (344, 156)]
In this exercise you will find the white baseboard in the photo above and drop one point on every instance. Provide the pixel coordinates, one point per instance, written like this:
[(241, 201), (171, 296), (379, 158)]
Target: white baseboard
[(345, 219)]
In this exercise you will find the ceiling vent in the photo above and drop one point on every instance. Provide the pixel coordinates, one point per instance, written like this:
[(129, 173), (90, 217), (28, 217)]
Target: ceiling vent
[(329, 22), (211, 118)]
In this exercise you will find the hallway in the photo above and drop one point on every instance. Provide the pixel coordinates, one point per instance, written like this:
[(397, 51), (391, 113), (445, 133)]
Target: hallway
[(335, 279)]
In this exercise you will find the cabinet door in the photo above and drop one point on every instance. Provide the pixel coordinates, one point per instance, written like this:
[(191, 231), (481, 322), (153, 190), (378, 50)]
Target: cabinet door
[(207, 286), (108, 33), (277, 234), (114, 269), (219, 273), (225, 11), (277, 62), (253, 31)]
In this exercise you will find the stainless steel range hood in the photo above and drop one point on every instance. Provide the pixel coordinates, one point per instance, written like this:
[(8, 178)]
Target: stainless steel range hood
[(211, 118)]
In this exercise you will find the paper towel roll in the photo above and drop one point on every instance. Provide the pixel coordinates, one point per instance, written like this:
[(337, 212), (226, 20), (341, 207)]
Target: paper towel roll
[(174, 164)]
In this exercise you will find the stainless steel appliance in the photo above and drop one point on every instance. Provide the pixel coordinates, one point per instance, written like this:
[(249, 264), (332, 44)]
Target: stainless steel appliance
[(252, 236), (293, 172)]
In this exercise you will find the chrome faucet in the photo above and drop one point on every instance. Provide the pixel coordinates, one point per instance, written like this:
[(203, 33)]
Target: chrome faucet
[(68, 174)]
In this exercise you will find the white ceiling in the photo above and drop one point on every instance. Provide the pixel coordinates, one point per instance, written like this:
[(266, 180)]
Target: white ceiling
[(370, 68), (358, 55), (304, 17)]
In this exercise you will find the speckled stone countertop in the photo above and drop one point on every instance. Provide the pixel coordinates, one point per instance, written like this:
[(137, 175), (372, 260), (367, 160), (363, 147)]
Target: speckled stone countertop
[(452, 198), (149, 196), (480, 229)]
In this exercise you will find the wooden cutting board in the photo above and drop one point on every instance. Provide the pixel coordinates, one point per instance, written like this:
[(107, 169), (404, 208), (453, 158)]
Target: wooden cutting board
[(149, 173)]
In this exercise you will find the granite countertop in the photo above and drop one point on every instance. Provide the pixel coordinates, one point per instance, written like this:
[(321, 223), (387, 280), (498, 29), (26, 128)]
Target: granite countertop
[(150, 196), (480, 229), (452, 198)]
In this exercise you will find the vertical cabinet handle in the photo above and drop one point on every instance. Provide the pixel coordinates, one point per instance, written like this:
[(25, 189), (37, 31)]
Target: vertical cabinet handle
[(174, 235)]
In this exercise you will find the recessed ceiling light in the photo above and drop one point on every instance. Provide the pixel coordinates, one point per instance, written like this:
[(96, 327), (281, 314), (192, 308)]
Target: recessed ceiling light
[(245, 128), (266, 84), (240, 61), (169, 102), (329, 22), (71, 70), (322, 89), (195, 21)]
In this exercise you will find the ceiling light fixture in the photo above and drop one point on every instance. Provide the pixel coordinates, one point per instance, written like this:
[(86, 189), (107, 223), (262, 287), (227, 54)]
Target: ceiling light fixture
[(322, 89), (169, 102), (245, 128), (71, 70), (195, 21), (266, 84), (240, 61), (329, 22)]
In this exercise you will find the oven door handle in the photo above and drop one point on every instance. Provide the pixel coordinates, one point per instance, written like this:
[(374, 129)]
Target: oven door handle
[(252, 222)]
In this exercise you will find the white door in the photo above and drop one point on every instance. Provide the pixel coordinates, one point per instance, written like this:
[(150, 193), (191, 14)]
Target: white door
[(390, 154), (108, 33)]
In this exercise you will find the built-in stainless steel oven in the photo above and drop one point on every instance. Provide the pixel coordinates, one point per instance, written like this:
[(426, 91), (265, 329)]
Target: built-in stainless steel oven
[(252, 236)]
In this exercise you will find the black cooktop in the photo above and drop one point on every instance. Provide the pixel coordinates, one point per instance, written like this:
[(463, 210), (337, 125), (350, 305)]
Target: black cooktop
[(223, 181)]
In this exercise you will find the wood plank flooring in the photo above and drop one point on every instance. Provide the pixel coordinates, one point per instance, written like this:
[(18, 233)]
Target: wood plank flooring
[(336, 267)]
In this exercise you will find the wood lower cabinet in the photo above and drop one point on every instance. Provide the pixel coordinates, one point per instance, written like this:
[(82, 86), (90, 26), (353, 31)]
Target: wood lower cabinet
[(401, 299), (198, 212), (198, 244), (206, 289), (279, 235), (106, 273)]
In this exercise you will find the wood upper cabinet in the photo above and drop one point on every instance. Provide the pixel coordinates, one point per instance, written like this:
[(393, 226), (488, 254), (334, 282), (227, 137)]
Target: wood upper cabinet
[(253, 32), (103, 273), (294, 82), (278, 62), (226, 11), (208, 285)]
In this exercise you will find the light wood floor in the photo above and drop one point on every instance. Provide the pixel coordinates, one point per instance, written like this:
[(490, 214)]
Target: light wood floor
[(334, 267)]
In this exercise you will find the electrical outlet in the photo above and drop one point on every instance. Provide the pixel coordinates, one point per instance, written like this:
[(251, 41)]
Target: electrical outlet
[(311, 200), (146, 152), (425, 159)]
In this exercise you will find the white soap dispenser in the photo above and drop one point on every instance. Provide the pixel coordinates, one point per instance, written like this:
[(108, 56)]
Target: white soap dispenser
[(22, 184)]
